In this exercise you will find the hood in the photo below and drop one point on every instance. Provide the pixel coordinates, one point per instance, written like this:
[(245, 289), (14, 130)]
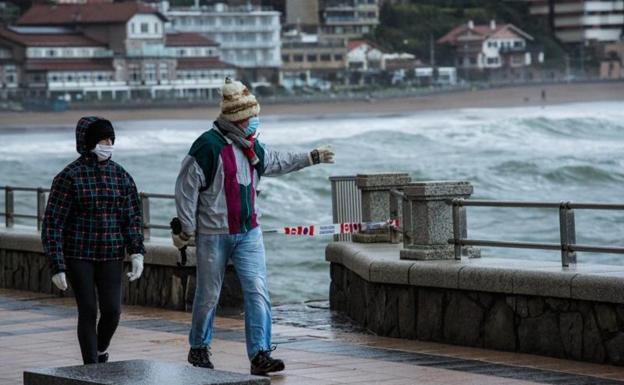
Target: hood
[(81, 132)]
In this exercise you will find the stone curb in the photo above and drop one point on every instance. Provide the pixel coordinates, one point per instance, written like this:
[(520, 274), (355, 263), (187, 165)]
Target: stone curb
[(381, 264)]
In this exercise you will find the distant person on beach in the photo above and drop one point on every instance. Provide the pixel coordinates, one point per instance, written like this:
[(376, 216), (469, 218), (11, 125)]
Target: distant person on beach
[(543, 95), (215, 196), (92, 220)]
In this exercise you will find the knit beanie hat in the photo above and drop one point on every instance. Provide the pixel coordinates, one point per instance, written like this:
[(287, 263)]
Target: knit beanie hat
[(237, 103), (98, 130)]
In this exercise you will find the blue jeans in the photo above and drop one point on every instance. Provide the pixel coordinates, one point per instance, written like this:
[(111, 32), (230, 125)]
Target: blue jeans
[(247, 254)]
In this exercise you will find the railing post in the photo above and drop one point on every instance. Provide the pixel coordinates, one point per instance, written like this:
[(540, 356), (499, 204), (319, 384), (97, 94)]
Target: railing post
[(145, 209), (429, 219), (376, 201), (41, 206), (396, 213), (9, 207), (568, 234), (457, 227)]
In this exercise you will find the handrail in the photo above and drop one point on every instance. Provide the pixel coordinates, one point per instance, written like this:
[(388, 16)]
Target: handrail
[(10, 215), (567, 245)]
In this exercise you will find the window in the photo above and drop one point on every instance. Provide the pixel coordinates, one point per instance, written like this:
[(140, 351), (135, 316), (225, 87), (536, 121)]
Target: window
[(286, 58), (181, 52), (155, 27), (144, 28), (492, 60), (51, 53), (54, 78), (325, 57), (338, 57), (132, 28), (312, 58), (298, 58), (100, 77), (517, 44)]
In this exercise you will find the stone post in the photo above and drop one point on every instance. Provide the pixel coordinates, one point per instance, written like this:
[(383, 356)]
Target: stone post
[(428, 220), (375, 189)]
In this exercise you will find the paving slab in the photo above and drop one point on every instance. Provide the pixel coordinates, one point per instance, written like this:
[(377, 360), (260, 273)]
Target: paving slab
[(137, 372)]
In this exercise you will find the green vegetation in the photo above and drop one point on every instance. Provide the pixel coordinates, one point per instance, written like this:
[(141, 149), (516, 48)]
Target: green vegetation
[(411, 27)]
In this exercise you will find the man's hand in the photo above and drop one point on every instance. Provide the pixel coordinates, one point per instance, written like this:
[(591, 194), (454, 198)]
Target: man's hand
[(137, 267), (323, 154), (60, 281), (181, 240)]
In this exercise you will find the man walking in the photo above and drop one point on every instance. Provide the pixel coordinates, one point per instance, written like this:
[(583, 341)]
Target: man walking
[(215, 200)]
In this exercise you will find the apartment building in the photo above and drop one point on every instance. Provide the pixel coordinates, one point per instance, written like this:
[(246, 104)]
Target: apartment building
[(349, 19), (249, 35), (582, 21)]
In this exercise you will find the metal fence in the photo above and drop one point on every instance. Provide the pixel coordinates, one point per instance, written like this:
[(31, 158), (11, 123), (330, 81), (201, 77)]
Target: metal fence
[(10, 214), (567, 230), (346, 202)]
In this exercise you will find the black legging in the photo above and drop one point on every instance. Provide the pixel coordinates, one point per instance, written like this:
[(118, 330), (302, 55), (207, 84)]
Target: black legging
[(85, 277)]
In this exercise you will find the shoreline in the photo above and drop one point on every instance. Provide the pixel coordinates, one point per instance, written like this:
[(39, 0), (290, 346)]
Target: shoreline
[(517, 96)]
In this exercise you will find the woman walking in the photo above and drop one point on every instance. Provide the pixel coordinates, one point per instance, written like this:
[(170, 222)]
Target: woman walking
[(92, 220)]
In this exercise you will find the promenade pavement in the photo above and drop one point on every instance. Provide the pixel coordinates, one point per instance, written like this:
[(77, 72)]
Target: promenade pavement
[(38, 330)]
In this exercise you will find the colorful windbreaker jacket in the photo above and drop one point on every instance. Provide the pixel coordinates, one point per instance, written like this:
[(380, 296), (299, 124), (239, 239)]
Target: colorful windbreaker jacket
[(215, 191), (93, 210)]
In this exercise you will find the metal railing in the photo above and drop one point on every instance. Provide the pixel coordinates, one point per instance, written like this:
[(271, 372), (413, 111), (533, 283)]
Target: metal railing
[(10, 214), (346, 202), (567, 230)]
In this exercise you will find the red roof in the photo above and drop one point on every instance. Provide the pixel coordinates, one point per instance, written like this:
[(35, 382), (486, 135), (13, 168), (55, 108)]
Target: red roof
[(48, 39), (480, 32), (69, 65), (202, 63), (89, 13), (188, 39), (353, 44)]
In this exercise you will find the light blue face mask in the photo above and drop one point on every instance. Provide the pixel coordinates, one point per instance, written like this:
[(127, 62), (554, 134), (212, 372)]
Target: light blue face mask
[(254, 122)]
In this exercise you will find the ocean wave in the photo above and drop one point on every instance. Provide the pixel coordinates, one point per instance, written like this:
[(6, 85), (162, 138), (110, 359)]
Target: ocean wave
[(584, 174)]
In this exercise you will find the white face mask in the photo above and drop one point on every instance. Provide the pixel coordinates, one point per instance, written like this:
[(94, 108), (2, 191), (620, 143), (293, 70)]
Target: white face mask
[(103, 151)]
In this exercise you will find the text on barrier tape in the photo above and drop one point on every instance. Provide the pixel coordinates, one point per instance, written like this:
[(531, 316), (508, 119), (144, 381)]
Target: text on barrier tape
[(336, 228)]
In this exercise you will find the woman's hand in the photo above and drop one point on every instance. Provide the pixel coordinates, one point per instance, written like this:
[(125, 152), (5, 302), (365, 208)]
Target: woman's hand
[(137, 267)]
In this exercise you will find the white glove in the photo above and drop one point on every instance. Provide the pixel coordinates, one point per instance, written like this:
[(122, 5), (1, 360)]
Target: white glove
[(60, 281), (181, 240), (137, 267), (323, 154)]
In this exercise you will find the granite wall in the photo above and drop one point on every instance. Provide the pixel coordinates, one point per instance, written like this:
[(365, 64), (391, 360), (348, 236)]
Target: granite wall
[(163, 284), (567, 328)]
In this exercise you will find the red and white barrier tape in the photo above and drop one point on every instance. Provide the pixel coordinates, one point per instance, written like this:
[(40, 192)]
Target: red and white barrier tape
[(334, 228)]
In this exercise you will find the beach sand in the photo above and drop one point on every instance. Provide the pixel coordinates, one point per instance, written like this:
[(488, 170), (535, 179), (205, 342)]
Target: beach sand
[(491, 98)]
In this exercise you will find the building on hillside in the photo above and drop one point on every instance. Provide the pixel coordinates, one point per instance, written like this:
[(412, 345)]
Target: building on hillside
[(109, 50), (349, 19), (249, 36), (311, 62), (493, 47), (582, 21), (368, 63)]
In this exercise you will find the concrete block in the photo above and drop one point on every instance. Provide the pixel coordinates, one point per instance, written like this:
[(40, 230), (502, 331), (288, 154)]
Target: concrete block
[(480, 278), (601, 288), (444, 274), (396, 272), (137, 372), (542, 283)]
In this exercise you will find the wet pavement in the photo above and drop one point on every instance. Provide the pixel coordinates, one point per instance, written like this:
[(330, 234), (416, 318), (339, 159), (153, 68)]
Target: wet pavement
[(318, 346)]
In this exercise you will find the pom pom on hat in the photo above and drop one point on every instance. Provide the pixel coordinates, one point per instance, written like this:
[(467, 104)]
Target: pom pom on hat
[(237, 103)]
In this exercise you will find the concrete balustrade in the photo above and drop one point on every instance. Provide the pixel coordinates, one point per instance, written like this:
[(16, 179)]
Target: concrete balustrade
[(376, 203)]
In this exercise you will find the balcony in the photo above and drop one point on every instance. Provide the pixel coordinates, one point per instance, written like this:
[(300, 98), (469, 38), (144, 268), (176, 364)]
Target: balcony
[(152, 52)]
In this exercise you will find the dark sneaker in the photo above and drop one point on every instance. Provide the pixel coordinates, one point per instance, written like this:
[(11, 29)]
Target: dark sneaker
[(102, 358), (263, 364), (200, 357)]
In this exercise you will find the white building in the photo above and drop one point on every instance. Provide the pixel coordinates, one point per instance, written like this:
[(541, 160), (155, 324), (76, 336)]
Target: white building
[(492, 46), (581, 21), (102, 50), (249, 36)]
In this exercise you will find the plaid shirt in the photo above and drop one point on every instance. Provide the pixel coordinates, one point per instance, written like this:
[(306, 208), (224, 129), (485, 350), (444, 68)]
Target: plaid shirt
[(93, 211)]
